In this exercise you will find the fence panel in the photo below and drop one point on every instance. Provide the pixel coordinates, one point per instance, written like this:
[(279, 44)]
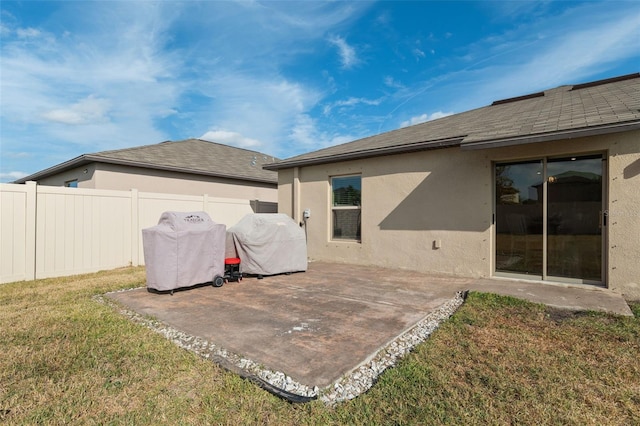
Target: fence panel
[(81, 230), (151, 205), (13, 233), (53, 231), (227, 210)]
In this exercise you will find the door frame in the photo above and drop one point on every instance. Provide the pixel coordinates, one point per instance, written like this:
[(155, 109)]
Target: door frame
[(603, 223)]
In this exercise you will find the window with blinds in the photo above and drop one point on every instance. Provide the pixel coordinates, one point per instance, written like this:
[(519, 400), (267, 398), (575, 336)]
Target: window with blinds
[(346, 194)]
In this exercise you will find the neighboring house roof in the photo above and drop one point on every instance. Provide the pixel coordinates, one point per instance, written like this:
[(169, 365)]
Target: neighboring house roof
[(599, 107), (192, 156)]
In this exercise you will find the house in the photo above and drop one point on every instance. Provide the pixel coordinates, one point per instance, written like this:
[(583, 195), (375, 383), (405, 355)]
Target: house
[(188, 167), (541, 187)]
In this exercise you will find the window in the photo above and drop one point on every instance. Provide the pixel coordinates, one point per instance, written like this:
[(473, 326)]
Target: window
[(71, 183), (345, 205)]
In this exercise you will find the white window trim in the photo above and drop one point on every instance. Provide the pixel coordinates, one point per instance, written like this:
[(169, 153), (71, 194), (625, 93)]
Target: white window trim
[(339, 208)]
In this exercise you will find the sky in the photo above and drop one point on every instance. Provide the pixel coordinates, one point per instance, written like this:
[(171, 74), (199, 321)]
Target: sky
[(282, 78)]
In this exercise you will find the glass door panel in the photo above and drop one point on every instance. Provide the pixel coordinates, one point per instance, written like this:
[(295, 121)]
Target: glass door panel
[(519, 217), (574, 214)]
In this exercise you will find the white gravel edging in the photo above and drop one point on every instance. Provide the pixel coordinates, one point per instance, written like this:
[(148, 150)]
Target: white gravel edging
[(348, 387), (363, 377)]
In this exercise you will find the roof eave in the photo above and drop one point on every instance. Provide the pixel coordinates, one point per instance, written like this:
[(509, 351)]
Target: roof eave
[(368, 153), (553, 136), (74, 162), (177, 169), (90, 158)]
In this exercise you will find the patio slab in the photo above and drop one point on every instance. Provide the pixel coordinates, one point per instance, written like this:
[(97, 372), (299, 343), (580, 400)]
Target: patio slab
[(315, 326), (319, 325)]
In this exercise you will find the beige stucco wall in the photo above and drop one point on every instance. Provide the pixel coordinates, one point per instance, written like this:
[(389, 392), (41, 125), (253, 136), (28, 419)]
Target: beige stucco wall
[(116, 177), (624, 215), (408, 201), (84, 176), (411, 200), (285, 193)]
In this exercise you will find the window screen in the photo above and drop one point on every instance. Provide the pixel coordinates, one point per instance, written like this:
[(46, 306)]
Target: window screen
[(346, 207)]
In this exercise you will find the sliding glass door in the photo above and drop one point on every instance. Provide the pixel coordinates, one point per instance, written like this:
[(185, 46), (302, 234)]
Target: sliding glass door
[(519, 218), (548, 218), (574, 217)]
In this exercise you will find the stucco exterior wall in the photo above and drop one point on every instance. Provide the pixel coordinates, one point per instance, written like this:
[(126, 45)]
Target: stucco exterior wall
[(408, 202), (285, 192), (84, 176), (124, 178), (412, 203), (623, 212)]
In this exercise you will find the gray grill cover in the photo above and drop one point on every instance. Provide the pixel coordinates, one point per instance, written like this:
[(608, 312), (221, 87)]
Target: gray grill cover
[(182, 250), (269, 244)]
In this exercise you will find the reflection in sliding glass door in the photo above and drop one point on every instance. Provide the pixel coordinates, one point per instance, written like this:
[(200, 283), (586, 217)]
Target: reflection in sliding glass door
[(519, 218), (548, 218), (574, 218)]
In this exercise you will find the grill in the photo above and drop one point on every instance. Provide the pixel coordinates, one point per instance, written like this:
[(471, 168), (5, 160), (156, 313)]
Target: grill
[(183, 250)]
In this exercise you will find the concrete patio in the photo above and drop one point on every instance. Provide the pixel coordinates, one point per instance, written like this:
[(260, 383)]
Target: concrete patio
[(319, 325)]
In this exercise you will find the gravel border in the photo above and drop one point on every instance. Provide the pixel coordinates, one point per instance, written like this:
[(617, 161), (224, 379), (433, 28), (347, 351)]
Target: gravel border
[(352, 384)]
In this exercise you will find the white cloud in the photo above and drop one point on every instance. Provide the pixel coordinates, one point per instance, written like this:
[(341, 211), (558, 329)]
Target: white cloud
[(347, 53), (512, 10), (306, 135), (261, 109), (304, 131), (116, 74), (11, 176), (227, 137), (418, 53), (21, 154), (28, 33), (391, 82), (567, 48), (569, 55), (351, 102), (424, 118), (63, 116), (90, 110), (86, 87), (111, 75), (439, 114)]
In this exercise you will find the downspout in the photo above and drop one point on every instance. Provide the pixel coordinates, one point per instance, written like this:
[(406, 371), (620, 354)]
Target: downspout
[(296, 194)]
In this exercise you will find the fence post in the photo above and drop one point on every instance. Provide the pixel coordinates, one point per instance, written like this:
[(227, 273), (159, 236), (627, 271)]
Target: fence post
[(135, 225), (30, 231)]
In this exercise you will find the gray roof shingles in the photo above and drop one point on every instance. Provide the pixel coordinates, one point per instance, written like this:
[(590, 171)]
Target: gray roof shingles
[(194, 156), (603, 106)]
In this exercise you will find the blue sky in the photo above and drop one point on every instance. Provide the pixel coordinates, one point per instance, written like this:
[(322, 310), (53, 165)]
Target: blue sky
[(282, 78)]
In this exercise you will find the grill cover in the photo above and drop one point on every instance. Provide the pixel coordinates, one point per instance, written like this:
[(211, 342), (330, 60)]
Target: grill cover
[(269, 243), (183, 249)]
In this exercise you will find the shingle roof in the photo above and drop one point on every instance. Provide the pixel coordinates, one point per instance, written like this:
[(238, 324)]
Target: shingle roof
[(599, 107), (188, 156)]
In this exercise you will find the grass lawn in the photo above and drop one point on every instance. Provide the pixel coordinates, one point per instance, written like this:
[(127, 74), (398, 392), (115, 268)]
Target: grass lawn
[(67, 359)]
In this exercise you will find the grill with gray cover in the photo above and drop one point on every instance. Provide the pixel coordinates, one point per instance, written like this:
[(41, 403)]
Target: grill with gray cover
[(269, 244), (184, 249)]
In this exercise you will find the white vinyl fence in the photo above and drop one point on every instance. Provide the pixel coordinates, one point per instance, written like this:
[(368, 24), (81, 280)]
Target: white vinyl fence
[(53, 231)]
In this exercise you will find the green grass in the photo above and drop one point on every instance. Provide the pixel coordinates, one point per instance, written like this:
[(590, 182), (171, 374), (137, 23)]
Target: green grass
[(67, 359)]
